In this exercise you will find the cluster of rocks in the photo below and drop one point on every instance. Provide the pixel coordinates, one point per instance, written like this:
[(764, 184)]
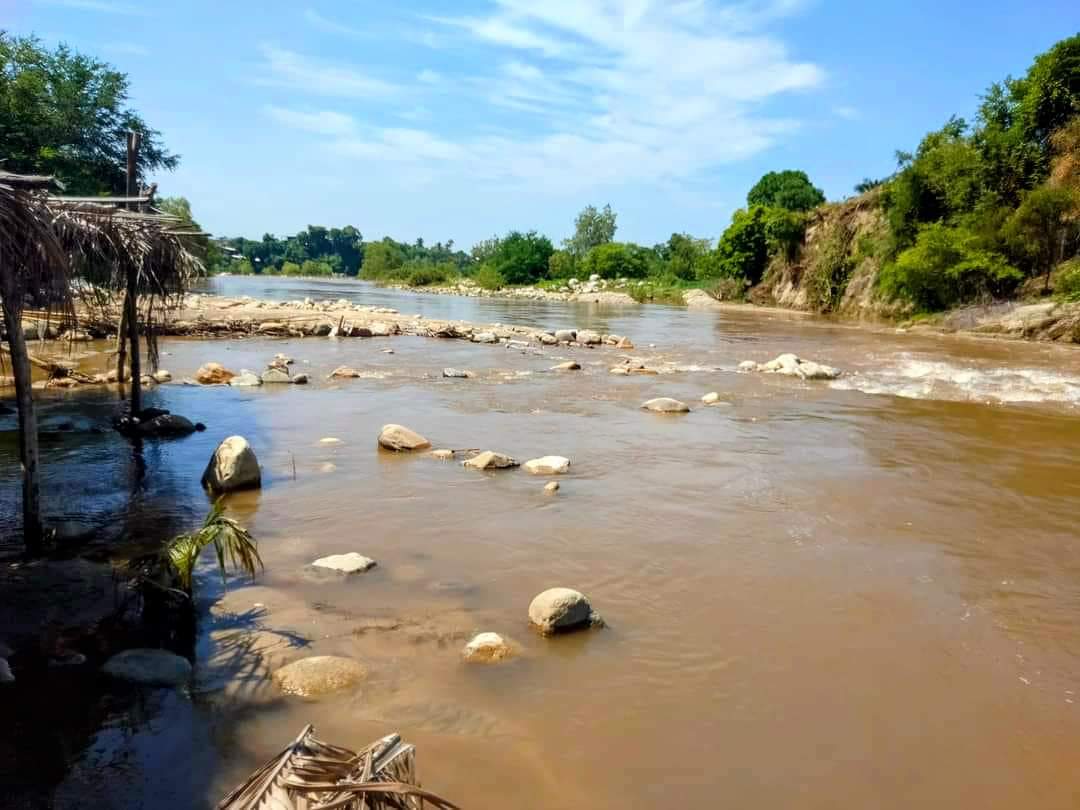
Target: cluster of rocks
[(277, 371), (792, 365)]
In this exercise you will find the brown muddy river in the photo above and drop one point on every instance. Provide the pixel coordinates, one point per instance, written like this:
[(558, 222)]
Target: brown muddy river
[(854, 594)]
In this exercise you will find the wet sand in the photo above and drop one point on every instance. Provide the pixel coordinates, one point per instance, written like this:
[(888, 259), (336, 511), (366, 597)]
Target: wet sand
[(852, 593)]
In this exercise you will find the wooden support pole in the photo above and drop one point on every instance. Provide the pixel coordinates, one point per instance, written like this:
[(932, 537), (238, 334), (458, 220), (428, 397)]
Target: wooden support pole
[(33, 533), (131, 301)]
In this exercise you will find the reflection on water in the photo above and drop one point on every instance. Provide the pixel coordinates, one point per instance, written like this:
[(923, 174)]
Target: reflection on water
[(817, 597)]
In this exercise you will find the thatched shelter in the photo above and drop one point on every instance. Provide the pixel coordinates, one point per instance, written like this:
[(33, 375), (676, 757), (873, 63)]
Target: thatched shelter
[(45, 242)]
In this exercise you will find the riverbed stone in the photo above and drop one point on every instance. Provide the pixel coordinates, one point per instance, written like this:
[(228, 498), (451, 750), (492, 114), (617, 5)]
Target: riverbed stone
[(558, 610), (624, 343), (275, 374), (457, 373), (281, 360), (401, 440), (318, 675), (149, 667), (551, 487), (485, 337), (443, 454), (161, 376), (344, 371), (792, 365), (666, 405), (489, 460), (246, 379), (565, 335), (350, 563), (233, 466), (300, 379), (569, 365), (548, 465), (711, 398), (547, 339), (167, 424), (213, 374), (487, 648), (589, 338), (748, 365)]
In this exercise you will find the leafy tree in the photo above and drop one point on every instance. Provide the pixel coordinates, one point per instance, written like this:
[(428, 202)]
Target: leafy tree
[(65, 114), (243, 267), (784, 231), (381, 259), (682, 257), (1042, 227), (743, 249), (591, 228), (561, 265), (483, 250), (489, 278), (290, 269), (945, 267), (615, 260), (314, 268), (348, 244), (522, 258), (788, 189)]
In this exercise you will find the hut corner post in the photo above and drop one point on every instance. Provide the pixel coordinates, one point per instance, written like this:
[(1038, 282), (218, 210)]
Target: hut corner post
[(33, 532), (131, 303)]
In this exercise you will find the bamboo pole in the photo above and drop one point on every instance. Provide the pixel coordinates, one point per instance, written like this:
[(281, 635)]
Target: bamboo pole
[(33, 532)]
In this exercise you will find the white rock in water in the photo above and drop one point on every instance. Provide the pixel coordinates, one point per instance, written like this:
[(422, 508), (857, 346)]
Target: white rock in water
[(569, 365), (344, 371), (711, 398), (565, 335), (666, 405), (330, 440), (149, 667), (246, 379), (548, 465), (443, 455), (351, 563), (457, 373), (485, 337), (551, 487), (318, 675), (489, 460), (276, 374), (747, 365), (400, 439), (560, 609), (589, 337), (161, 376), (233, 466), (487, 648), (794, 366)]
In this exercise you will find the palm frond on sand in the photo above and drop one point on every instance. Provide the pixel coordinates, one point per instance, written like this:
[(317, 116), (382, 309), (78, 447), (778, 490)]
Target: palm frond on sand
[(310, 774)]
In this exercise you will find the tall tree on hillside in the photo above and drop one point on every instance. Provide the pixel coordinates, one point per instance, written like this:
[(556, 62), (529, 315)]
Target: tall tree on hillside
[(788, 189), (65, 114), (591, 228)]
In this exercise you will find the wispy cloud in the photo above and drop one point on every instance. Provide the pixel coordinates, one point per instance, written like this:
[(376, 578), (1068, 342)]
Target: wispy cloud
[(322, 122), (846, 112), (325, 24), (285, 68), (101, 6)]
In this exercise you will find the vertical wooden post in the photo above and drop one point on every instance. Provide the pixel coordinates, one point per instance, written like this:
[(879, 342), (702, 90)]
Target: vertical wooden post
[(28, 441), (131, 298)]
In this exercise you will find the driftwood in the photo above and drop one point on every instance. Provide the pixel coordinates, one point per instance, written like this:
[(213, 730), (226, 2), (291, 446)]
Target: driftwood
[(54, 369), (310, 774)]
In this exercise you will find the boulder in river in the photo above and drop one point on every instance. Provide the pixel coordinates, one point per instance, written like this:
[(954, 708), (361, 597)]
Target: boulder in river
[(233, 466), (487, 648), (457, 373), (401, 440), (443, 454), (547, 339), (344, 371), (281, 360), (276, 374), (149, 667), (792, 365), (489, 460), (565, 335), (711, 398), (318, 675), (558, 610), (300, 379), (569, 365), (213, 374), (166, 424), (161, 376), (485, 337), (551, 487), (246, 379), (589, 338), (666, 405), (350, 563), (624, 343), (548, 465)]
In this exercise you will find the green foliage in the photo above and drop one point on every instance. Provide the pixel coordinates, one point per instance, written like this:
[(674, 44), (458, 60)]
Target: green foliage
[(592, 228), (426, 273), (1068, 280), (784, 232), (562, 265), (743, 250), (1041, 227), (522, 258), (683, 257), (65, 114), (241, 267), (790, 189), (947, 266), (869, 184), (382, 260), (829, 268), (231, 543), (729, 289), (615, 260), (489, 278)]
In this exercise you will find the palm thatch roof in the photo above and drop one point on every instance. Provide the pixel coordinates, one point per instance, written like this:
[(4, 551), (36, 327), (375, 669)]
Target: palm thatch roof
[(314, 775), (33, 259)]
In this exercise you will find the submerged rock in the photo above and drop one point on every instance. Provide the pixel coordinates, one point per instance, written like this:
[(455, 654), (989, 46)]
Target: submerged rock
[(161, 376), (551, 487), (711, 398), (149, 667), (548, 465), (351, 563), (246, 379), (281, 360), (300, 379), (457, 373), (167, 424), (489, 460), (624, 343), (558, 610), (487, 648), (213, 374), (401, 440), (344, 371), (666, 405), (318, 675), (443, 455), (792, 365), (233, 466), (275, 374), (569, 365), (485, 337)]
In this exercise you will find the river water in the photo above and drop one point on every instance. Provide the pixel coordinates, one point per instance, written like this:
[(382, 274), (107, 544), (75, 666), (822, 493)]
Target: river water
[(860, 593)]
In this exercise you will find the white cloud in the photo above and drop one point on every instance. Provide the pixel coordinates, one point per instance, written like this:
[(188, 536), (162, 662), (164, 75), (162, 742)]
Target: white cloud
[(285, 68), (325, 24), (846, 112), (324, 122), (606, 91)]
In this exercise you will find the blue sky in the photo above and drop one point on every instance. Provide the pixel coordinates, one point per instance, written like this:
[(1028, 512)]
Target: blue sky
[(462, 120)]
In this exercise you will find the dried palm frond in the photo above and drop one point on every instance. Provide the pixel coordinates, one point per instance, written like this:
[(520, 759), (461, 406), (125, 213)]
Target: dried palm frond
[(309, 773), (33, 262), (229, 539)]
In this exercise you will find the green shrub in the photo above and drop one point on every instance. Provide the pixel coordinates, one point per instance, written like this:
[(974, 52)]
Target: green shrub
[(729, 289), (1068, 280), (743, 250), (828, 270), (947, 266), (489, 278), (424, 274), (561, 265), (615, 260), (784, 232)]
